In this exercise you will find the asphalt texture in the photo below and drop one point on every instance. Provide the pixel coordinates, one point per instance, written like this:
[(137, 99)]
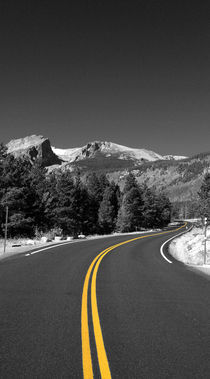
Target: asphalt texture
[(155, 316)]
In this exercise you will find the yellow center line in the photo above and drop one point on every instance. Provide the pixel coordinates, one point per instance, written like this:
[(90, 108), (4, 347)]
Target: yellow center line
[(86, 352), (101, 352)]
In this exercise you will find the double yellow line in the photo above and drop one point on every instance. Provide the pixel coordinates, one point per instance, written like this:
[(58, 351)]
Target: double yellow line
[(101, 352)]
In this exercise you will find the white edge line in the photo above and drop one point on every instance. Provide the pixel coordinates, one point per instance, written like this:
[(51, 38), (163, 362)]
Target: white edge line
[(161, 249), (47, 248), (66, 243)]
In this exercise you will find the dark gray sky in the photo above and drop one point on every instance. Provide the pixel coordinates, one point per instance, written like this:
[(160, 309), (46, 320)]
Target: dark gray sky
[(131, 72)]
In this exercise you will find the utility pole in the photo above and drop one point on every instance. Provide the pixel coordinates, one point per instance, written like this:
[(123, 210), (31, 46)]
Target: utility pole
[(205, 239), (5, 232)]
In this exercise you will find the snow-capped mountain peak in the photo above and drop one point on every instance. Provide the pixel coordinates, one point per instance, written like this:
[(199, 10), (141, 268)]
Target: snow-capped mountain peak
[(94, 154), (174, 157), (108, 149)]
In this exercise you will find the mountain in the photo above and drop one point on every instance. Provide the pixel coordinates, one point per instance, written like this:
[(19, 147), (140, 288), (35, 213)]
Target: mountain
[(106, 149), (107, 156), (34, 147), (177, 176), (110, 149), (97, 153)]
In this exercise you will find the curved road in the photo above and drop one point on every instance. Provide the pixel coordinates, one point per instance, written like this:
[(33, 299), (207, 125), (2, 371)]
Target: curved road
[(152, 321)]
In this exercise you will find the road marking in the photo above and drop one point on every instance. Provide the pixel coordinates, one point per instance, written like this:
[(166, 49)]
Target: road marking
[(161, 248), (46, 248), (101, 352), (86, 352), (85, 336), (162, 253), (57, 245)]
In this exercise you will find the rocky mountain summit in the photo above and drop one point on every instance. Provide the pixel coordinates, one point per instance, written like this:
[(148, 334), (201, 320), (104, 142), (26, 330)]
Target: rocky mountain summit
[(34, 147)]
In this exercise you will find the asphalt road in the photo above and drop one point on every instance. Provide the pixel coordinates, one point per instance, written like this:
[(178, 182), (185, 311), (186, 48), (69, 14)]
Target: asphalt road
[(154, 317)]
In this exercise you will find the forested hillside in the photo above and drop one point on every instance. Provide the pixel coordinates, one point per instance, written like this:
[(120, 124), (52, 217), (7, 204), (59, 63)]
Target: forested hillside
[(61, 203), (32, 173), (180, 180)]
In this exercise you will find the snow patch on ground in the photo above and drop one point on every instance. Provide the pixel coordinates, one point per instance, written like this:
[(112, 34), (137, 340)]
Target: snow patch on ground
[(189, 247)]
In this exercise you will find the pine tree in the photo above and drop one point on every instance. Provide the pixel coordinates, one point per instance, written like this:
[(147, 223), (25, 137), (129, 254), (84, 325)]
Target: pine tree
[(130, 213), (37, 185), (123, 220), (204, 197), (96, 186), (149, 209), (15, 191), (63, 199), (3, 155), (163, 212), (80, 208), (156, 209), (69, 205), (130, 182), (108, 209)]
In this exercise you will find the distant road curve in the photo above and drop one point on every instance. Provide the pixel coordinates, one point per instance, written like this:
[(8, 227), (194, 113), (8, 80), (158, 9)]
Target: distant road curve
[(111, 307)]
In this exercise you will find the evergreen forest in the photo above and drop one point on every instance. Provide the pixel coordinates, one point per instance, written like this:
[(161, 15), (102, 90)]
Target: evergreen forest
[(39, 201)]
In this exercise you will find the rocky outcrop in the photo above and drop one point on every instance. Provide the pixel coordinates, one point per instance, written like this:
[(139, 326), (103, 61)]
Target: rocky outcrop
[(91, 148), (34, 147)]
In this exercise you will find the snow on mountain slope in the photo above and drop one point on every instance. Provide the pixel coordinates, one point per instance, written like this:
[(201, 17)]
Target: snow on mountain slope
[(128, 152), (174, 157), (38, 146), (106, 149), (68, 155)]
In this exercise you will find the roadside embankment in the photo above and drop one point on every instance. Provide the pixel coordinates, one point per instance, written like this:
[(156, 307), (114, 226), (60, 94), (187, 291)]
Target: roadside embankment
[(189, 248), (24, 245)]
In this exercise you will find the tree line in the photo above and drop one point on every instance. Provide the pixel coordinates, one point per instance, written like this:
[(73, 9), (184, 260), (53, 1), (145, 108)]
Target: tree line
[(40, 201)]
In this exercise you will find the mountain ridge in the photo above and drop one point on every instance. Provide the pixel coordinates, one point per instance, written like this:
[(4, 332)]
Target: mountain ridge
[(179, 178), (108, 149), (21, 146)]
